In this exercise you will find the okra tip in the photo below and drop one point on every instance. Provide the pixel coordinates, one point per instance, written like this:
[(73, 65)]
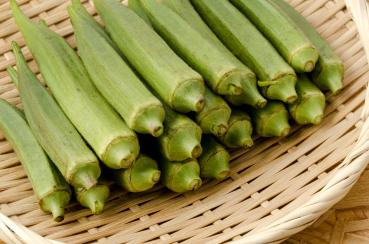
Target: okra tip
[(121, 153), (55, 203), (219, 130), (190, 145), (283, 90), (304, 59), (277, 126), (310, 111), (94, 198), (189, 97), (231, 84), (151, 121)]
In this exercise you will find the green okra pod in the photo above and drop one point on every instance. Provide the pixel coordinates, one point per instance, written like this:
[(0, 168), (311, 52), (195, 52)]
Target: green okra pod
[(140, 109), (136, 6), (239, 133), (220, 71), (309, 108), (214, 161), (52, 191), (109, 136), (95, 197), (280, 30), (276, 78), (329, 71), (181, 139), (177, 84), (56, 134), (180, 176), (143, 174), (272, 120), (213, 119)]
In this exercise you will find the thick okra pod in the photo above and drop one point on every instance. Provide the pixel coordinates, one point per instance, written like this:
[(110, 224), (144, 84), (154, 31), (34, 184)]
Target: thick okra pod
[(309, 108), (52, 191), (239, 133), (280, 30), (56, 134), (276, 77), (272, 120), (328, 73), (177, 84), (114, 143), (214, 161), (140, 109)]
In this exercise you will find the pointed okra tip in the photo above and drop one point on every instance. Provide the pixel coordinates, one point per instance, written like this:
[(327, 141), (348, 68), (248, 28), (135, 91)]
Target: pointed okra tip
[(94, 198)]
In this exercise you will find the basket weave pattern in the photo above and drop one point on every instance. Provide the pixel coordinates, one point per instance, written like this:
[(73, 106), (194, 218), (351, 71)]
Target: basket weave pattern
[(276, 189)]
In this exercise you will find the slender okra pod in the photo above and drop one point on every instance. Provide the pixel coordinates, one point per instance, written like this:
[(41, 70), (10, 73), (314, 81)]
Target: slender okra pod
[(214, 161), (114, 143), (309, 108), (239, 133), (276, 78), (52, 191), (280, 30), (177, 84), (181, 139), (329, 70), (143, 174), (180, 176), (140, 109), (272, 120), (221, 72), (95, 197), (58, 137), (213, 119)]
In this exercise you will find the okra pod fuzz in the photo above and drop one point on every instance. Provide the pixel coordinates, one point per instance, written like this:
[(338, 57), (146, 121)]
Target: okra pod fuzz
[(309, 108), (272, 120), (221, 72), (143, 174), (239, 133), (290, 41), (114, 143), (52, 191), (180, 176), (140, 109), (177, 84), (95, 197), (276, 78), (214, 161), (329, 71), (213, 119), (181, 139), (55, 133)]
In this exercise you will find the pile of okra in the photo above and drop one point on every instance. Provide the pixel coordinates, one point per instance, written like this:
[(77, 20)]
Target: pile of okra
[(160, 91)]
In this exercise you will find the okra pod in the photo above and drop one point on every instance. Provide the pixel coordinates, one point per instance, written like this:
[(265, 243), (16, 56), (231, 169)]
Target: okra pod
[(213, 119), (177, 84), (109, 136), (280, 30), (214, 161), (140, 109), (52, 191), (180, 176), (143, 174), (309, 108), (272, 120), (329, 70), (276, 78), (239, 130), (221, 73), (136, 6), (181, 139), (95, 197), (55, 133)]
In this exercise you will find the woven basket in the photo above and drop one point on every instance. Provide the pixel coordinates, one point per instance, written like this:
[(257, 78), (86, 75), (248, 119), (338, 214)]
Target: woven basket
[(276, 189)]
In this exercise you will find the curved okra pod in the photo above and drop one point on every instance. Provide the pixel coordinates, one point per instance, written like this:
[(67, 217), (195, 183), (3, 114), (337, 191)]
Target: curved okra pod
[(108, 135), (52, 191), (277, 78), (214, 161), (272, 120), (239, 133), (143, 174), (309, 108)]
